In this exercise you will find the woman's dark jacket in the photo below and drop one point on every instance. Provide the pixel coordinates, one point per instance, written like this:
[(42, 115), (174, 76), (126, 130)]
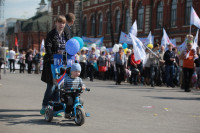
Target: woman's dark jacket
[(51, 47)]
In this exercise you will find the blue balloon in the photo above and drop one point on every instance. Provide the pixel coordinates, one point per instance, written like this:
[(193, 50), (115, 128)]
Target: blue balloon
[(124, 46), (72, 46), (80, 40)]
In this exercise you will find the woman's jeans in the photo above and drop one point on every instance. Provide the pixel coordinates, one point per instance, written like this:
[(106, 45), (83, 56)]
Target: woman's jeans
[(50, 95)]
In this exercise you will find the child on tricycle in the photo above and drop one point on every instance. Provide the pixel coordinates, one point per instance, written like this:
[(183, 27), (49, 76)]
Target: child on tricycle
[(70, 102)]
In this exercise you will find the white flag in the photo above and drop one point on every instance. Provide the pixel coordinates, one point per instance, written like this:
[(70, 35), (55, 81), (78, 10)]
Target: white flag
[(133, 29), (173, 41), (139, 50), (149, 39), (194, 19), (196, 40), (165, 40), (182, 46)]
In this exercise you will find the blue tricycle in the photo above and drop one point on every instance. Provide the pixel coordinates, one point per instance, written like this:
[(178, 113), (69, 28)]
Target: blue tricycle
[(70, 102)]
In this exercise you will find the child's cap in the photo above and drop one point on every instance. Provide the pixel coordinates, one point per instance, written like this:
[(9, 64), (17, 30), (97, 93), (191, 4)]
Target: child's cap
[(76, 67)]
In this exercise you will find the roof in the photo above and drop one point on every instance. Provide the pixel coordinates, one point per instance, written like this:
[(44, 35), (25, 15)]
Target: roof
[(36, 23)]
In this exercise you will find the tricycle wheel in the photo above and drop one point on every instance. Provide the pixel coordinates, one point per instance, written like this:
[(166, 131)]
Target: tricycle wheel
[(80, 116), (48, 114)]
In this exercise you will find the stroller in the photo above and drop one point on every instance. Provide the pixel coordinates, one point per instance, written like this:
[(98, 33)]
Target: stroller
[(69, 98)]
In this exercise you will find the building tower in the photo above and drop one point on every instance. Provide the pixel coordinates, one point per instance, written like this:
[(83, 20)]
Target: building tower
[(2, 10)]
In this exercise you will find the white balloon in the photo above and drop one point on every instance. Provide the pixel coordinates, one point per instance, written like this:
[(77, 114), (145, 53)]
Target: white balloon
[(97, 52), (120, 45), (93, 45), (84, 48), (103, 48), (115, 48)]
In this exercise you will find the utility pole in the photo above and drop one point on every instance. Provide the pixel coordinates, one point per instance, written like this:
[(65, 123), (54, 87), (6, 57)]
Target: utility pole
[(121, 22), (111, 26), (38, 27), (2, 10)]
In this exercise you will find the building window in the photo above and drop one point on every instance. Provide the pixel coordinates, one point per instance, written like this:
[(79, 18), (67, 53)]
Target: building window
[(93, 25), (108, 23), (140, 16), (67, 8), (58, 10), (159, 21), (173, 13), (127, 21), (188, 11), (117, 21), (84, 26), (100, 23)]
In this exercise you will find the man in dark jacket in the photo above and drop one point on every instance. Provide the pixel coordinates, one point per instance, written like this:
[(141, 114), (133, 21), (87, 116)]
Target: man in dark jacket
[(169, 58)]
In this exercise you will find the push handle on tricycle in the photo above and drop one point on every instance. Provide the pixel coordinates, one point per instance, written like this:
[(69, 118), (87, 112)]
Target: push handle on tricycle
[(80, 89)]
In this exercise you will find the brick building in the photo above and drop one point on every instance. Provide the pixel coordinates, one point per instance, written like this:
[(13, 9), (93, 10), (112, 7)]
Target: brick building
[(151, 15), (30, 32)]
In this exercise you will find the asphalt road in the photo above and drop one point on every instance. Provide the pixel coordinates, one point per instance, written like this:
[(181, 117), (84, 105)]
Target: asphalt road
[(113, 109)]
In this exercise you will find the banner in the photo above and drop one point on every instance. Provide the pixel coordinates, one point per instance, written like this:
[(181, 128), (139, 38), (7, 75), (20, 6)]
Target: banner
[(88, 41), (194, 19), (124, 38)]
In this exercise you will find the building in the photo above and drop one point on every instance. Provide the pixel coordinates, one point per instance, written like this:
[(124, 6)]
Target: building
[(62, 7), (97, 16), (30, 32)]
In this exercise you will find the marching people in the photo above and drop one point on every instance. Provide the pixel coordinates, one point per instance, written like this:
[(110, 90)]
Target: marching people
[(2, 57), (188, 56), (176, 68), (102, 61), (146, 67), (92, 59), (169, 58), (29, 58), (161, 69), (133, 65), (36, 60), (120, 62), (154, 58), (22, 61), (83, 61), (197, 68), (12, 57)]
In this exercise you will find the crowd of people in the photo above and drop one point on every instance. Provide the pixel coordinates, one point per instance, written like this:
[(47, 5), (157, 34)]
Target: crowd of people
[(163, 66), (29, 61)]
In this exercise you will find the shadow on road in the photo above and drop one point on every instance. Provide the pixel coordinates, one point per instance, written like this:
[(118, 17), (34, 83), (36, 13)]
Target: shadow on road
[(15, 117), (175, 98)]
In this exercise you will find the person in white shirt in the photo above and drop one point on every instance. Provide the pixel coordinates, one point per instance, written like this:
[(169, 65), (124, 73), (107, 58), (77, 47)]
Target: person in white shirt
[(2, 56), (83, 59), (12, 57)]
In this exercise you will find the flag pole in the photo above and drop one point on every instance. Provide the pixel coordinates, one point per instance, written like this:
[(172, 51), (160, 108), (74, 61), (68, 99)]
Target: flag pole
[(190, 29)]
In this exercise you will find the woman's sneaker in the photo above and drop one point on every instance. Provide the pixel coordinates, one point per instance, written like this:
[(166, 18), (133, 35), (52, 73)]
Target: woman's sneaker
[(42, 111)]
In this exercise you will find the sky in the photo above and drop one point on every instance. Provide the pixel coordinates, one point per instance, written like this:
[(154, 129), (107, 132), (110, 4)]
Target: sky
[(20, 8)]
